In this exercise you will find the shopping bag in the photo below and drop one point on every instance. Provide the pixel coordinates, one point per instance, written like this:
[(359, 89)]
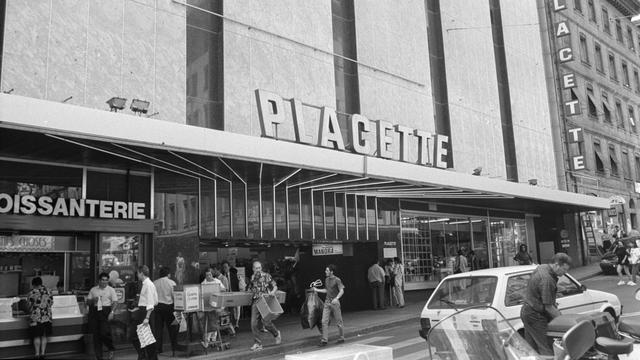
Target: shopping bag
[(311, 311), (179, 321), (145, 336)]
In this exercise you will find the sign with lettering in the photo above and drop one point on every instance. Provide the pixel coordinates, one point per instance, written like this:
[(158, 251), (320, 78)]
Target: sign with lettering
[(48, 206), (432, 149), (27, 243), (327, 249)]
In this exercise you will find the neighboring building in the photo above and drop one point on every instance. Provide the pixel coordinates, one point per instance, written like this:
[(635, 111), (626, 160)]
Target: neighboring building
[(250, 149), (596, 51)]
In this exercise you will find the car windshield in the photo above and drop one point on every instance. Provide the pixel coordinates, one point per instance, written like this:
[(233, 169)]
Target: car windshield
[(477, 333), (461, 292)]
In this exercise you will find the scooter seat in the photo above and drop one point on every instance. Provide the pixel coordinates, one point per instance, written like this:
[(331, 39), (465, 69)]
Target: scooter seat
[(614, 347), (630, 326)]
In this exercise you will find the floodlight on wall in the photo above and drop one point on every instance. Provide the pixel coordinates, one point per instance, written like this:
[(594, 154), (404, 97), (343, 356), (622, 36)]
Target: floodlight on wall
[(533, 182), (116, 103), (477, 171), (139, 106)]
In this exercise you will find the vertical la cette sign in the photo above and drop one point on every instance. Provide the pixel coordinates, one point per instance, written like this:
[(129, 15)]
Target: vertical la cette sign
[(571, 107)]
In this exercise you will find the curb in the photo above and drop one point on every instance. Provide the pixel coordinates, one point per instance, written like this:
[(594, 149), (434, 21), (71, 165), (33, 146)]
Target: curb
[(312, 340)]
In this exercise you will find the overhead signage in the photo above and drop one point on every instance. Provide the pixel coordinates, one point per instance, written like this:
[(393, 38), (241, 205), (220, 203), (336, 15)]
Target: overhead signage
[(432, 148), (48, 206), (27, 243), (326, 249)]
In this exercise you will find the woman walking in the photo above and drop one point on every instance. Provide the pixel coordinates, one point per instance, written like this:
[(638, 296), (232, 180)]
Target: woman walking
[(40, 301), (397, 282)]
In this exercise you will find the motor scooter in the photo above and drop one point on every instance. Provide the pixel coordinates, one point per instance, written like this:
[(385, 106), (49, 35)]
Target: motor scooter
[(483, 333)]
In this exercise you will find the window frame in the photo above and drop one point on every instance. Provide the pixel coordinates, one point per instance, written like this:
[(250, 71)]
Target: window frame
[(598, 57), (613, 71), (606, 24)]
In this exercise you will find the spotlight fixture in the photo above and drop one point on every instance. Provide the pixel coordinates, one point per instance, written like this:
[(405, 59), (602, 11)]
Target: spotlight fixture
[(116, 103), (139, 106), (477, 171), (533, 182)]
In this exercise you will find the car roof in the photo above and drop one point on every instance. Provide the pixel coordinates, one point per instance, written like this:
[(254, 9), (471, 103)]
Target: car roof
[(500, 271)]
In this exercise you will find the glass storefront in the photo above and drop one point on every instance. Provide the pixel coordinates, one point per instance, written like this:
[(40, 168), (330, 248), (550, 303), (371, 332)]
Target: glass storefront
[(431, 242)]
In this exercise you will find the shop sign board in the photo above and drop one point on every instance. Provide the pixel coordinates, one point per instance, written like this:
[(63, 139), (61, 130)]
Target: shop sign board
[(27, 243), (48, 206), (327, 249), (432, 149), (613, 212)]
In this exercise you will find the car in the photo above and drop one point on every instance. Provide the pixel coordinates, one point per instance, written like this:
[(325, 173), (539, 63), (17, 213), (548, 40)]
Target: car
[(608, 264), (503, 289)]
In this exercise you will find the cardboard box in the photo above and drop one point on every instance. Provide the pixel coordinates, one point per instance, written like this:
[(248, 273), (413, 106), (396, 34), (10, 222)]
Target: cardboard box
[(206, 293), (281, 296), (231, 299), (188, 299), (269, 307)]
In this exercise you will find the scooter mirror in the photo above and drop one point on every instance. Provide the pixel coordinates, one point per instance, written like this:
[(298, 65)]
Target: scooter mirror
[(637, 296)]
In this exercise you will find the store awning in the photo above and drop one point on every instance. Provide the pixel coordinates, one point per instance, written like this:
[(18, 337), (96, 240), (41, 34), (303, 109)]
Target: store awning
[(225, 156)]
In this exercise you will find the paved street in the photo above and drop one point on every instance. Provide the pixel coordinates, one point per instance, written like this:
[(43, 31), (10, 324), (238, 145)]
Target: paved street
[(608, 283)]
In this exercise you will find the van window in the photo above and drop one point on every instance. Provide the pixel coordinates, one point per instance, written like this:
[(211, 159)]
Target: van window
[(516, 286), (464, 292)]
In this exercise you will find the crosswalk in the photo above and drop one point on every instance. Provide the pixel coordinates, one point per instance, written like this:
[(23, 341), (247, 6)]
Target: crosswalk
[(410, 349)]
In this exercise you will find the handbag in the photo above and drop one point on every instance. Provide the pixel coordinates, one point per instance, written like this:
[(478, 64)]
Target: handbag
[(145, 336)]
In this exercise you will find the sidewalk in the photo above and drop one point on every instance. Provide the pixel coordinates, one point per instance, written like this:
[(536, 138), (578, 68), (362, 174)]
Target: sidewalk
[(295, 337), (356, 323)]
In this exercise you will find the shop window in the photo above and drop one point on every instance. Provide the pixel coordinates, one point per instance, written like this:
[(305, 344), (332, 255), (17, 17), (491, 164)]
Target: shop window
[(204, 65), (613, 72), (584, 50), (506, 236), (174, 209), (18, 178), (619, 116), (613, 159), (598, 56), (592, 10), (625, 74), (606, 25)]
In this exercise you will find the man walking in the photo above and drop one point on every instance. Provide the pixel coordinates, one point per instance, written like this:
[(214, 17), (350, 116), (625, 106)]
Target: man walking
[(375, 274), (540, 302), (163, 313), (259, 286), (102, 298), (334, 290), (141, 315)]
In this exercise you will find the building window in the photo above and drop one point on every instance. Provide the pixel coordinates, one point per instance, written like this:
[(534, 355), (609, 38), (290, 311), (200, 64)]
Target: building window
[(606, 111), (613, 159), (205, 85), (636, 79), (632, 119), (584, 50), (637, 163), (630, 38), (626, 165), (619, 31), (592, 10), (613, 73), (625, 74), (606, 26), (619, 116), (577, 4), (598, 55), (597, 154), (591, 104)]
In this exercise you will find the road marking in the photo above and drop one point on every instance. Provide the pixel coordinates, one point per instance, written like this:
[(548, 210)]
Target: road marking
[(631, 314), (408, 343), (413, 356), (373, 339)]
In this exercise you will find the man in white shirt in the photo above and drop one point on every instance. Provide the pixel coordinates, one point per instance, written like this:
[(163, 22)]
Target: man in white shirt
[(101, 298), (146, 303), (163, 312)]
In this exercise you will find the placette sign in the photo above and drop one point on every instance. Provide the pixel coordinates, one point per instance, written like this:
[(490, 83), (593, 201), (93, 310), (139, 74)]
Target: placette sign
[(327, 249), (27, 243)]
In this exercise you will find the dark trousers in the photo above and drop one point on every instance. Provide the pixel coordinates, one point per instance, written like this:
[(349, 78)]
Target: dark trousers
[(137, 317), (377, 294), (535, 330), (255, 329), (163, 315), (99, 325)]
